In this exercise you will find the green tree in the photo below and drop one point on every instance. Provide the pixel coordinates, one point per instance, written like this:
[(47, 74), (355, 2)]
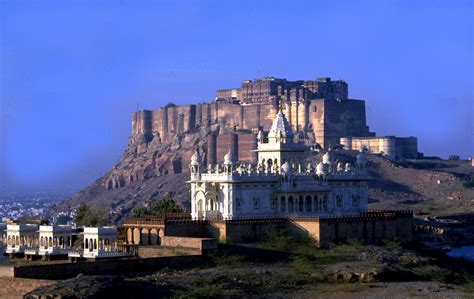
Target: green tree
[(159, 207), (85, 216)]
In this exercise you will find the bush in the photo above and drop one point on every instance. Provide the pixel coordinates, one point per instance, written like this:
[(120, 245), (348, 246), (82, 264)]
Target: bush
[(159, 207), (85, 216), (469, 184), (203, 288), (392, 246), (227, 260), (435, 273)]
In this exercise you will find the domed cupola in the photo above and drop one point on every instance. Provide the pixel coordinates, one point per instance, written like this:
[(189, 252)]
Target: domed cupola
[(229, 158), (195, 164)]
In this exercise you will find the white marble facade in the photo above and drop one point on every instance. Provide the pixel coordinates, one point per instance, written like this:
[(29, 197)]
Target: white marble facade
[(280, 185)]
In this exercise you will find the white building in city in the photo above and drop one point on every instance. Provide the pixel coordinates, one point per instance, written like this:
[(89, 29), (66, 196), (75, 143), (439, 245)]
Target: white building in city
[(53, 241), (21, 236), (99, 242), (280, 185)]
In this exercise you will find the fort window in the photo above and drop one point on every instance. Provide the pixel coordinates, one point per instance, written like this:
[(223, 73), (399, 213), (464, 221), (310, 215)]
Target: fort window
[(239, 204), (316, 203), (325, 203), (273, 203)]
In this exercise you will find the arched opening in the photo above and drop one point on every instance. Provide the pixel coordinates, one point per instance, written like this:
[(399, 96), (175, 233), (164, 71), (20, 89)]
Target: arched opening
[(153, 236), (109, 184), (145, 236), (300, 204), (325, 203), (308, 203), (212, 203), (316, 204), (269, 163), (291, 205)]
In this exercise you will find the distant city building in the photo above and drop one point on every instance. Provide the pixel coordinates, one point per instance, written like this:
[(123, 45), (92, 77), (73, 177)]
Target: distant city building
[(280, 185)]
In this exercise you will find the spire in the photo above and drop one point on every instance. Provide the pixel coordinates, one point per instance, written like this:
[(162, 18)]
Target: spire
[(280, 129)]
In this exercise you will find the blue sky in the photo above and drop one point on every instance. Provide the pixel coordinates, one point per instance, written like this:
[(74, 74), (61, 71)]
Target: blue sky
[(72, 72)]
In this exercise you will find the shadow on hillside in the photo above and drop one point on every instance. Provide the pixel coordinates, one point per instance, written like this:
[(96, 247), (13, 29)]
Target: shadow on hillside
[(379, 182)]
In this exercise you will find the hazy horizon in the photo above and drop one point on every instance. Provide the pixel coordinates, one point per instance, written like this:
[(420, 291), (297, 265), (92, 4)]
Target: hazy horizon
[(72, 74)]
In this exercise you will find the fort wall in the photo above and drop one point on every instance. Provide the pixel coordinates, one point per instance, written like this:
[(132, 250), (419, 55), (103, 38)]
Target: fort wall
[(328, 120)]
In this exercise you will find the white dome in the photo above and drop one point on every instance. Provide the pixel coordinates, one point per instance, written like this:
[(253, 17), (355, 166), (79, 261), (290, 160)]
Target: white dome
[(196, 159), (229, 158), (286, 168), (280, 127)]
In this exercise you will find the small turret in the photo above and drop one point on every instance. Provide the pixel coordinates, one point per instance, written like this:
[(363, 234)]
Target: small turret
[(229, 158), (229, 161), (195, 164)]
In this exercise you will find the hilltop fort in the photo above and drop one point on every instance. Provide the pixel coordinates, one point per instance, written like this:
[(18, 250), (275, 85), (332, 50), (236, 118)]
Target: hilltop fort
[(319, 111)]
